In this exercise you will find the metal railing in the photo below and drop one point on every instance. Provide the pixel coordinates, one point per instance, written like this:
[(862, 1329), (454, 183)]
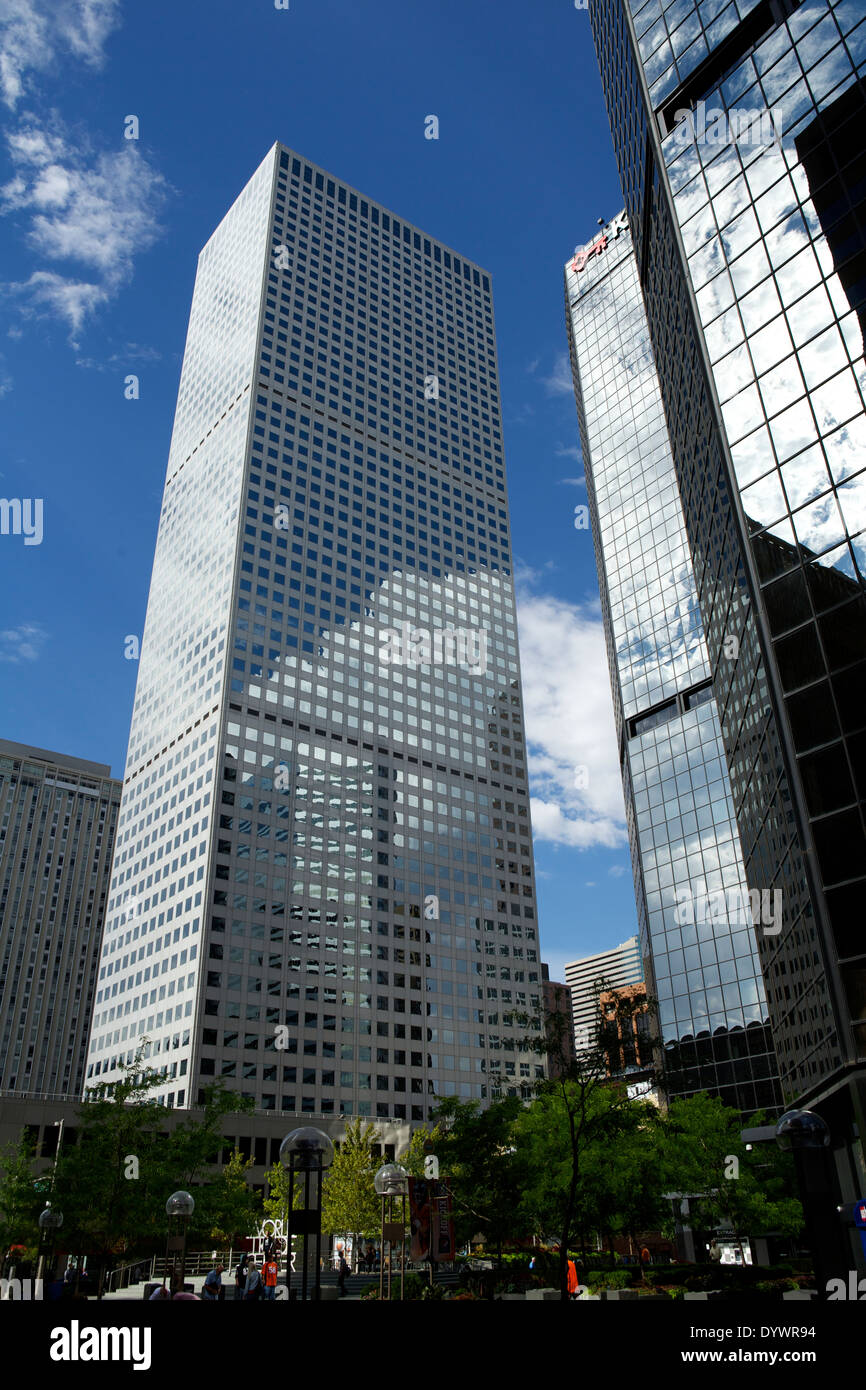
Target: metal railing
[(122, 1277)]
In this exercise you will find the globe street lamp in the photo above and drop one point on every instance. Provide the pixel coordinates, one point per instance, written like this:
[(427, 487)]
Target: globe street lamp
[(392, 1181), (306, 1153), (179, 1208), (50, 1221), (806, 1136)]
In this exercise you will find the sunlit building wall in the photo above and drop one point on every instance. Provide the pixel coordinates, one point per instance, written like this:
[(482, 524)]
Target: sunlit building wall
[(739, 138), (323, 890), (697, 942)]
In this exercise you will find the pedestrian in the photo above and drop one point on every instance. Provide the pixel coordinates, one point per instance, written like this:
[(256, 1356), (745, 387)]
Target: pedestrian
[(371, 1256), (253, 1287), (572, 1279), (241, 1276), (270, 1274), (341, 1278), (159, 1292), (212, 1286)]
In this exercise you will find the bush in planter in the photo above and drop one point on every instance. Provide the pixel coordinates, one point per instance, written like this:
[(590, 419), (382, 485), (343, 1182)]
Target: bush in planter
[(432, 1291), (607, 1279)]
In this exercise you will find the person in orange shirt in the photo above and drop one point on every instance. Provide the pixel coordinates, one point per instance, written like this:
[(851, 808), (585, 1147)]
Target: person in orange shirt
[(572, 1279), (270, 1272)]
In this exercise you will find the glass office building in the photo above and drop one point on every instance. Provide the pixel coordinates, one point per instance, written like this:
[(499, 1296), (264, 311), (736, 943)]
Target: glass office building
[(697, 939), (738, 133), (323, 888), (58, 818)]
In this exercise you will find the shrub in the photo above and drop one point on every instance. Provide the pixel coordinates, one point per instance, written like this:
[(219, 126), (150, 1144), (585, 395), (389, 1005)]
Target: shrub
[(607, 1279)]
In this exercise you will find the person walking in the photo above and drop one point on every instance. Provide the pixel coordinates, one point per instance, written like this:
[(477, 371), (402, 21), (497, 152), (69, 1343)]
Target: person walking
[(253, 1288), (241, 1276), (212, 1287), (270, 1275), (341, 1278)]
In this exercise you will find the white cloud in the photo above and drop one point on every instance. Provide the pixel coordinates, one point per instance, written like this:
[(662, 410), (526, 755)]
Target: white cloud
[(560, 382), (568, 451), (128, 354), (574, 482), (24, 643), (95, 211), (577, 796), (33, 35), (617, 870)]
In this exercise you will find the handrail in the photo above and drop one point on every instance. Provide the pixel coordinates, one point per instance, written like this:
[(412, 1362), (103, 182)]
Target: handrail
[(122, 1269)]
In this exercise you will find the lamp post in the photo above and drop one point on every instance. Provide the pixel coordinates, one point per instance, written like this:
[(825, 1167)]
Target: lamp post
[(306, 1153), (806, 1136), (179, 1208), (50, 1221), (391, 1181)]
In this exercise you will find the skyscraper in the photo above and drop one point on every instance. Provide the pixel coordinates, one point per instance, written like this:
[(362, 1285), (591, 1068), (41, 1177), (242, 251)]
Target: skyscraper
[(58, 817), (323, 888), (697, 940), (739, 140), (620, 966)]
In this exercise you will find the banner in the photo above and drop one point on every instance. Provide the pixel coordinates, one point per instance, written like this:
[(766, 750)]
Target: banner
[(419, 1217), (443, 1246)]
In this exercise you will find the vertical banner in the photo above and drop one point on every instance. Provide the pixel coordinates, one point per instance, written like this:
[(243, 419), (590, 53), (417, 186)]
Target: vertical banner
[(442, 1246), (419, 1217)]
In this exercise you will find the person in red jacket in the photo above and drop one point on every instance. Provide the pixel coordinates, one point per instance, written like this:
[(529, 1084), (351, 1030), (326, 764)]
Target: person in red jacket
[(572, 1279)]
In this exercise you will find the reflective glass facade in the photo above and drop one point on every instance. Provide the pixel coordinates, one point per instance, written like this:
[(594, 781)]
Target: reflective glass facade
[(323, 890), (58, 818), (704, 972), (743, 174)]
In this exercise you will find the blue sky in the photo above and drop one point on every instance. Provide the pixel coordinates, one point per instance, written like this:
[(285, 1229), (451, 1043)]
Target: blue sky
[(99, 243)]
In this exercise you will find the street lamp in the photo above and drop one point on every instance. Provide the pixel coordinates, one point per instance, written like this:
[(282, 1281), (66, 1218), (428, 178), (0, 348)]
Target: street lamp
[(179, 1208), (50, 1221), (309, 1152), (391, 1181)]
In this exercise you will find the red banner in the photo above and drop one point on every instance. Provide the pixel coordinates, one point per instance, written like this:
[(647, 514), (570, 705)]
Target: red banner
[(419, 1217), (442, 1224)]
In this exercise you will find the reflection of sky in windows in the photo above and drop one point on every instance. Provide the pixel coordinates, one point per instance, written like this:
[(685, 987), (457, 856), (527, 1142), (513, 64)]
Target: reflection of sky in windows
[(785, 346), (653, 603), (682, 823)]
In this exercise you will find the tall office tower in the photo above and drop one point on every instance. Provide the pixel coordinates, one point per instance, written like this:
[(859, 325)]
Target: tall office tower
[(739, 141), (58, 818), (323, 886), (697, 939), (621, 965)]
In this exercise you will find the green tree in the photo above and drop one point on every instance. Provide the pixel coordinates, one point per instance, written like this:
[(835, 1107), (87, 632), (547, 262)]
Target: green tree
[(422, 1141), (476, 1154), (350, 1205), (191, 1153), (20, 1202), (567, 1140), (276, 1202), (113, 1185), (235, 1208), (700, 1152), (579, 1112)]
